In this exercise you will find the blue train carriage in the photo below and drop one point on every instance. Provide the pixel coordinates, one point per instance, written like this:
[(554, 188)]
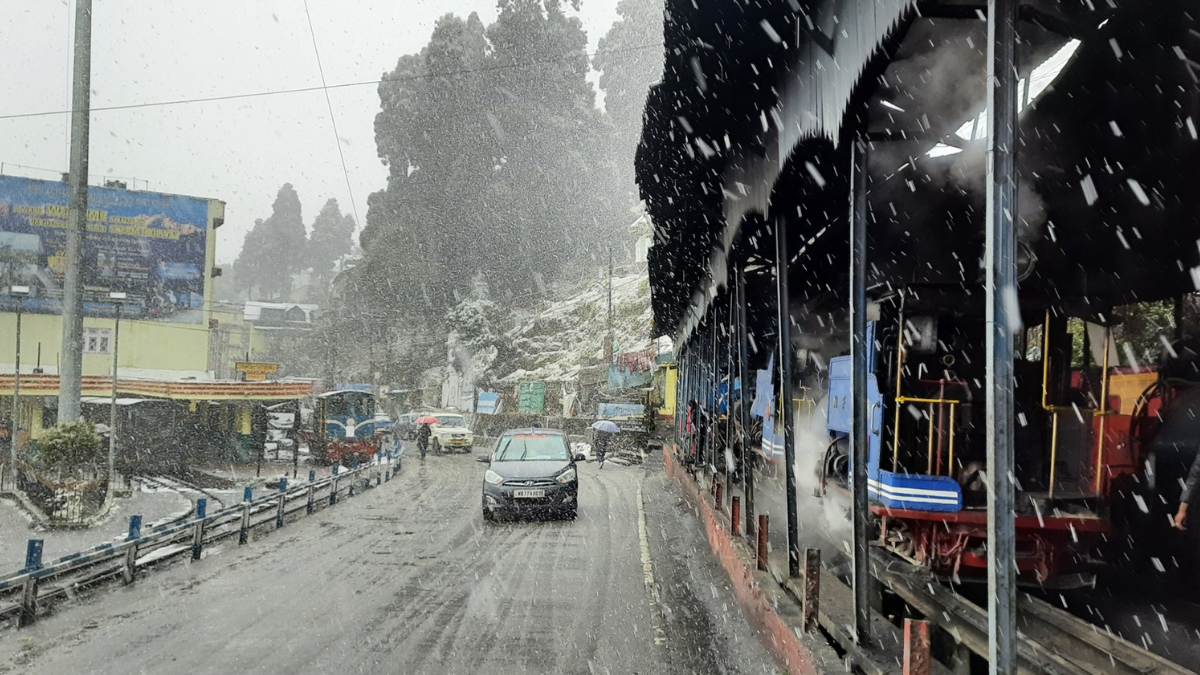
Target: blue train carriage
[(345, 426), (927, 438)]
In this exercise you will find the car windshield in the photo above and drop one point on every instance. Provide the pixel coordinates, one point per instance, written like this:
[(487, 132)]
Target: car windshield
[(450, 421), (530, 447)]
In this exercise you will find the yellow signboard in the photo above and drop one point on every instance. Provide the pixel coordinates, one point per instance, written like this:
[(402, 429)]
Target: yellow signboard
[(256, 371)]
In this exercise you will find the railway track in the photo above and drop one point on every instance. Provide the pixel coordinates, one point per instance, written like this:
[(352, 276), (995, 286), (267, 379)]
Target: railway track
[(1050, 641), (182, 487)]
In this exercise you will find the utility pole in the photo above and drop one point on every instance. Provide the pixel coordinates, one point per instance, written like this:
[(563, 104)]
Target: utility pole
[(612, 338), (70, 374), (20, 292), (116, 297)]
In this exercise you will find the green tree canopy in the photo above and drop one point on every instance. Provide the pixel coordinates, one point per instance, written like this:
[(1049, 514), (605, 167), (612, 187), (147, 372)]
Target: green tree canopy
[(492, 139), (275, 248), (332, 237)]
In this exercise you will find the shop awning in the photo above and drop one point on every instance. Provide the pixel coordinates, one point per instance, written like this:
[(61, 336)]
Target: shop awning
[(187, 390)]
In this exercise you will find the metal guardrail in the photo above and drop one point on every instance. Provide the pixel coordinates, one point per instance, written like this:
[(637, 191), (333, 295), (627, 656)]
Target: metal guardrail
[(22, 591)]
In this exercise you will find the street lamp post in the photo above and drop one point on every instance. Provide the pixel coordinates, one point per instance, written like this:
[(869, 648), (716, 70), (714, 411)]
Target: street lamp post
[(116, 297), (19, 292)]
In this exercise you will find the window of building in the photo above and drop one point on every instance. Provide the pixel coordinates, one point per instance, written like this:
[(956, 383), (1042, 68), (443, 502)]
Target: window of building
[(95, 340)]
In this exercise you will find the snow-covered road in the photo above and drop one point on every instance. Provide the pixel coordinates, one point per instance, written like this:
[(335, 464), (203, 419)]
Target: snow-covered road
[(407, 578)]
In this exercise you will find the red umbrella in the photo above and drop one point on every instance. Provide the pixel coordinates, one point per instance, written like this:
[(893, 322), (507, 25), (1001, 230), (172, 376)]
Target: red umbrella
[(426, 420)]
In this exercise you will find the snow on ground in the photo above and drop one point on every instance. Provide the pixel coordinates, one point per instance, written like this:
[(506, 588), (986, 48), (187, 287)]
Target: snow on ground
[(556, 343), (16, 527)]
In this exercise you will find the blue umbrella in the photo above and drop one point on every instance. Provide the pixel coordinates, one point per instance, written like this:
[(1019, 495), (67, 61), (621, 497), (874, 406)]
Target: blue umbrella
[(605, 425)]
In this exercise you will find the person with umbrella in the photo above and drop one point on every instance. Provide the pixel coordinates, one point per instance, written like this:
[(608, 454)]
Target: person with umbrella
[(603, 431), (423, 433)]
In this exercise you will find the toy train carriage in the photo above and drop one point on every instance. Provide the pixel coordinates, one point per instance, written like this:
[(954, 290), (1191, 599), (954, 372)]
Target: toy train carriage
[(1074, 440), (345, 426)]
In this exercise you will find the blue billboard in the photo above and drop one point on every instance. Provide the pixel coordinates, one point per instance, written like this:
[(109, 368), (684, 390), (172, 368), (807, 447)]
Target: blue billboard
[(150, 246), (488, 402), (606, 410)]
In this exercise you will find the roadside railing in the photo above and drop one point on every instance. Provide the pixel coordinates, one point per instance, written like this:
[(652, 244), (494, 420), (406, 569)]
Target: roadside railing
[(25, 593)]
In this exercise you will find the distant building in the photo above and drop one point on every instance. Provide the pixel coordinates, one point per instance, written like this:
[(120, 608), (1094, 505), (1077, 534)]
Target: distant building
[(279, 315)]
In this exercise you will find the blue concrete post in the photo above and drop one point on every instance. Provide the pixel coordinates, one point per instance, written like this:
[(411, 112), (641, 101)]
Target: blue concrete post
[(135, 533), (247, 502), (333, 486), (198, 532), (33, 563), (33, 555), (312, 477), (282, 502)]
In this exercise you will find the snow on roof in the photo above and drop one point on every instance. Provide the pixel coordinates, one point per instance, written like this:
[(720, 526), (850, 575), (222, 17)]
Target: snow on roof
[(253, 309)]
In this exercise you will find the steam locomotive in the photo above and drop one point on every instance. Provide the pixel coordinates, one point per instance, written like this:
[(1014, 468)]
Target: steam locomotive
[(1100, 450)]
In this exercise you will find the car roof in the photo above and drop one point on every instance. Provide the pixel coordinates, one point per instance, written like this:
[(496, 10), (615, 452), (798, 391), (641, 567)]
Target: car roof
[(534, 430)]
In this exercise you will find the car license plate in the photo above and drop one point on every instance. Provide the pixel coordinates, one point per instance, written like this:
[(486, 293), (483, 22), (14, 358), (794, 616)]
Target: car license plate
[(529, 494)]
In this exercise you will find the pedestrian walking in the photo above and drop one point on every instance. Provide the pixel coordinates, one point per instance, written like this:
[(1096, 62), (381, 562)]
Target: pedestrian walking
[(600, 445), (1189, 491), (423, 438)]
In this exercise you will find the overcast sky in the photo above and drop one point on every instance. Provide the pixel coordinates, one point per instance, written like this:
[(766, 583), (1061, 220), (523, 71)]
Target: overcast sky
[(241, 150)]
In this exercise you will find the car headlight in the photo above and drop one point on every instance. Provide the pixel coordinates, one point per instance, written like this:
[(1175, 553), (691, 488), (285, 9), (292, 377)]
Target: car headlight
[(493, 477), (566, 476)]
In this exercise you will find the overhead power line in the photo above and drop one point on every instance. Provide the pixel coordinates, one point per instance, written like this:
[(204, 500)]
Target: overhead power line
[(337, 140), (327, 87)]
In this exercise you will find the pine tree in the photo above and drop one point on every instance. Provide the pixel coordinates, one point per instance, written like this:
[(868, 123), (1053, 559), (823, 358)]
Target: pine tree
[(332, 238), (274, 249)]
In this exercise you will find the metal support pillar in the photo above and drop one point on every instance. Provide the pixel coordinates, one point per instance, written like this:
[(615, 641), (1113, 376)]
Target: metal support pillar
[(727, 459), (859, 438), (785, 407), (689, 425), (685, 394), (1177, 316), (744, 408), (714, 374), (701, 377), (1003, 315)]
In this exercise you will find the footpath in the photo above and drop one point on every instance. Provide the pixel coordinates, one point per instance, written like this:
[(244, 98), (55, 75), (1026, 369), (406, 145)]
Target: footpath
[(804, 621)]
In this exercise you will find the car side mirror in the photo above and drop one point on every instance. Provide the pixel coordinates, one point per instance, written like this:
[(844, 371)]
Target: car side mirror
[(484, 459), (580, 457)]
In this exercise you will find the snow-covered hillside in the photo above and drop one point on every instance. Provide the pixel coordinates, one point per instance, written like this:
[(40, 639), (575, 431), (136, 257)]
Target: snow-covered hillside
[(559, 340)]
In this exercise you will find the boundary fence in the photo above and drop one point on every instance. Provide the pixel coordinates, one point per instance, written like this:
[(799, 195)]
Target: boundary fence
[(25, 593)]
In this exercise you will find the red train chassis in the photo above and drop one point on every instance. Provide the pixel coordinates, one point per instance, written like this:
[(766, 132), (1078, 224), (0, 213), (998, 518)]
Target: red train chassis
[(1050, 548)]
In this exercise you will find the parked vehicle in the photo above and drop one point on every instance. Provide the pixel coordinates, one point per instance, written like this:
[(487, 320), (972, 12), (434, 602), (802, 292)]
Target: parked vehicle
[(450, 433), (383, 423), (531, 471), (404, 428)]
